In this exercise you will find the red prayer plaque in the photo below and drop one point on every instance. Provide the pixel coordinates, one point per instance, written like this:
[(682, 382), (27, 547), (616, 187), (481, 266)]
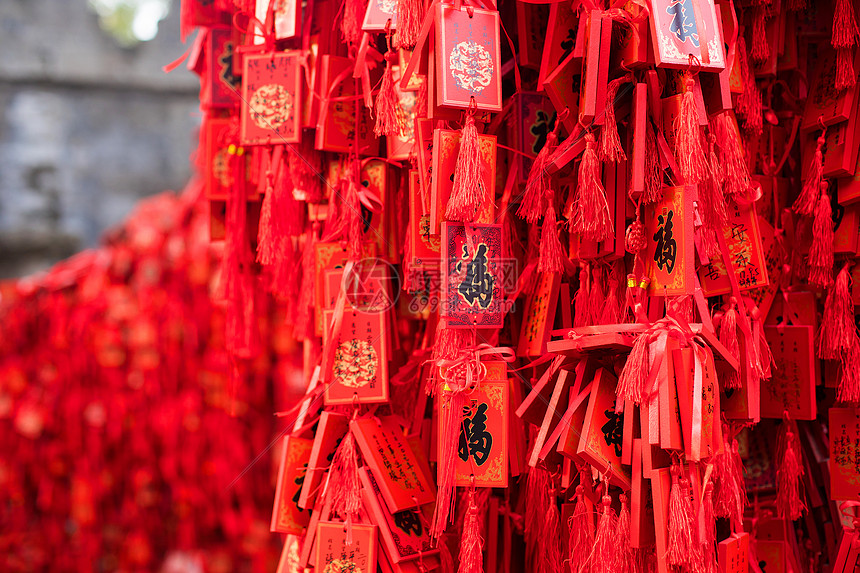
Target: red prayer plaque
[(747, 255), (563, 87), (395, 466), (378, 13), (791, 386), (336, 126), (286, 18), (539, 316), (472, 278), (468, 60), (446, 148), (684, 28), (733, 554), (845, 454), (359, 370), (287, 516), (670, 250), (602, 433), (535, 120), (331, 429), (271, 93), (561, 36), (222, 90), (335, 556), (482, 449), (825, 101), (685, 374), (406, 534), (425, 246)]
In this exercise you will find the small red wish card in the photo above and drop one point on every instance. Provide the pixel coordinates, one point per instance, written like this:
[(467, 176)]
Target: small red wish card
[(733, 554), (425, 246), (669, 255), (395, 466), (378, 14), (560, 37), (791, 386), (271, 93), (825, 101), (340, 113), (845, 454), (746, 254), (331, 429), (602, 433), (406, 534), (468, 60), (684, 28), (287, 516), (287, 16), (446, 148), (329, 256), (539, 316), (222, 89), (359, 367), (699, 436), (217, 170), (482, 449), (333, 553), (472, 276)]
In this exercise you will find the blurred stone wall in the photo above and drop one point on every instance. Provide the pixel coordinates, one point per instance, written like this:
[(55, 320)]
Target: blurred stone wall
[(87, 128)]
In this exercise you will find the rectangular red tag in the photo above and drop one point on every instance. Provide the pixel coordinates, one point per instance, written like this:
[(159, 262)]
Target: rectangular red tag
[(468, 57), (271, 92)]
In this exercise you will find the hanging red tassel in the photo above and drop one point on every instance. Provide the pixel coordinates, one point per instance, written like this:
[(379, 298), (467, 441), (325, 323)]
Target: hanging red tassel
[(837, 331), (596, 300), (653, 170), (848, 388), (681, 547), (611, 313), (610, 143), (789, 471), (712, 203), (390, 119), (469, 194), (304, 313), (350, 24), (821, 251), (809, 194), (688, 139), (760, 47), (634, 376), (537, 500), (730, 495), (591, 219), (729, 338), (551, 251), (549, 551), (451, 407), (539, 183), (605, 557), (471, 542), (626, 556), (344, 485), (580, 301), (707, 532), (733, 164), (581, 539), (410, 16), (749, 101), (843, 40)]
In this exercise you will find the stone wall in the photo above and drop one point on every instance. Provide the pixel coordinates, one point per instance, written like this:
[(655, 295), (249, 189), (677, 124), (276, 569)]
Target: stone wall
[(87, 128)]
